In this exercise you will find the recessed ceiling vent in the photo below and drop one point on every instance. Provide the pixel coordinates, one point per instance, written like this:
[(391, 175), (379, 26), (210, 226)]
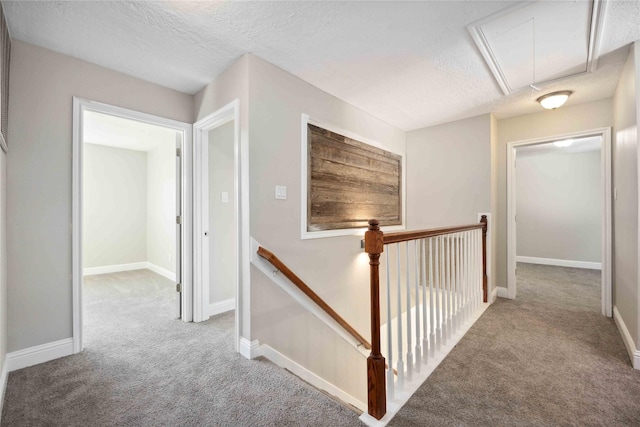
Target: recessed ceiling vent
[(535, 43)]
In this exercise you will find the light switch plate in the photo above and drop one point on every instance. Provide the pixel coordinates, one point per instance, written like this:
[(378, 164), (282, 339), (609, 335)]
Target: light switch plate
[(281, 192), (224, 197)]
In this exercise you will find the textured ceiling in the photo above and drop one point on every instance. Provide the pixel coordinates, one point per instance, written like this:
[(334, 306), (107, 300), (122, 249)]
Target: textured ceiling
[(411, 64)]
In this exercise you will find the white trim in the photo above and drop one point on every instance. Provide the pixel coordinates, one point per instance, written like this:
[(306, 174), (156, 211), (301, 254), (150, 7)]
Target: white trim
[(39, 354), (79, 106), (229, 112), (502, 292), (4, 376), (248, 349), (606, 225), (634, 353), (115, 268), (222, 306), (161, 271), (300, 297), (485, 49), (560, 262), (308, 376), (494, 295), (305, 119)]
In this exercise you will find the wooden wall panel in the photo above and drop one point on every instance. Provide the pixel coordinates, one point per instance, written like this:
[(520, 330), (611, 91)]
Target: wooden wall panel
[(350, 182)]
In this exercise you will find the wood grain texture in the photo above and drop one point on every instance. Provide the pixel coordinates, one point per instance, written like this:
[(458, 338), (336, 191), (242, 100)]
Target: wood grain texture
[(349, 182)]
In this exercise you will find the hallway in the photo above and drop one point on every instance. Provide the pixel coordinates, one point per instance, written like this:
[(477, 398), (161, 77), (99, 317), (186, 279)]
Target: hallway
[(547, 358)]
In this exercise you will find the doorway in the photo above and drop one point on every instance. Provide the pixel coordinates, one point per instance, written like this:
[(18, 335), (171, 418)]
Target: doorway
[(221, 223), (569, 225), (129, 211)]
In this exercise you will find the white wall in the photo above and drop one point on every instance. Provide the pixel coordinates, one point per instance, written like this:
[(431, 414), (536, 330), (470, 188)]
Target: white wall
[(548, 123), (43, 84), (558, 204), (3, 261), (625, 208), (114, 206), (222, 223), (161, 205)]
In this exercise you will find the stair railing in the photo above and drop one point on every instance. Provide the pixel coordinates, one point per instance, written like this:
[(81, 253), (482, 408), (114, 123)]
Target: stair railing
[(446, 271)]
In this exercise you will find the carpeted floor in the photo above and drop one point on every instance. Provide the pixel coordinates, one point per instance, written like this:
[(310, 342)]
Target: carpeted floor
[(548, 358), (141, 368)]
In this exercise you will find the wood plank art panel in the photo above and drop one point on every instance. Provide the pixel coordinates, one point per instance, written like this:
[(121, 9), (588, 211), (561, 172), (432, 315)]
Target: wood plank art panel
[(350, 182)]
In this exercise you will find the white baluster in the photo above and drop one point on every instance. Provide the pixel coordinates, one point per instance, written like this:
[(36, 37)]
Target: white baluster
[(454, 284), (466, 279), (390, 377), (438, 290), (432, 304), (399, 323), (425, 331), (409, 345), (445, 294), (418, 349)]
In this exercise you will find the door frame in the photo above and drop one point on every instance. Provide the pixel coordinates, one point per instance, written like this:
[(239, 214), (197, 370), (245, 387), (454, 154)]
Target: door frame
[(226, 114), (80, 105), (606, 222)]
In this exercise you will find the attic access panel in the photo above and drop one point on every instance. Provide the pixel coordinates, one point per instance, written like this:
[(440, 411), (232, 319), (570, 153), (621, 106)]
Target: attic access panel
[(350, 182), (539, 42)]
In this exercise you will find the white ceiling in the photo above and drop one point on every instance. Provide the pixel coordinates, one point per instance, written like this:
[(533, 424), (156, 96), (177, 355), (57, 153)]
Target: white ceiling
[(113, 131), (411, 64)]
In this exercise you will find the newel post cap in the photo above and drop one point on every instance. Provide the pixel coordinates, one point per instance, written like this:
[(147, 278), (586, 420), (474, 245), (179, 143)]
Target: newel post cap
[(373, 238)]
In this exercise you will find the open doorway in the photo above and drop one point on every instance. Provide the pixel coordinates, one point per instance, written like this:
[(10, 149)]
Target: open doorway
[(130, 247), (559, 219), (220, 222), (129, 221)]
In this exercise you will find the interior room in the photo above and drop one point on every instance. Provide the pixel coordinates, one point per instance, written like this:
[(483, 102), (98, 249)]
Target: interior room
[(559, 207), (366, 280), (129, 232)]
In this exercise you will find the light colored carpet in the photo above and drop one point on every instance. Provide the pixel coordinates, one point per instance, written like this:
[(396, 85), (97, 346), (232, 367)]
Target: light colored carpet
[(141, 368), (548, 358)]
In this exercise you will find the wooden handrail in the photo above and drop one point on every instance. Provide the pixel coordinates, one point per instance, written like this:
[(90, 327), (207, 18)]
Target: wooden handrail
[(404, 236), (374, 241), (286, 271)]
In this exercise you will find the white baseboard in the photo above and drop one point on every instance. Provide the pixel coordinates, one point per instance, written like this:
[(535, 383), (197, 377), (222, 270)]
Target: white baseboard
[(39, 354), (249, 349), (4, 376), (634, 354), (494, 295), (92, 271), (162, 271), (222, 306), (560, 262), (502, 292), (308, 376)]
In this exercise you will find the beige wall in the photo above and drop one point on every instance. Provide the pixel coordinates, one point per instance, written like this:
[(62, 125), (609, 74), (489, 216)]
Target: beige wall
[(3, 259), (161, 205), (568, 119), (333, 267), (114, 206), (625, 208), (222, 223), (449, 173), (43, 84), (559, 203), (232, 85)]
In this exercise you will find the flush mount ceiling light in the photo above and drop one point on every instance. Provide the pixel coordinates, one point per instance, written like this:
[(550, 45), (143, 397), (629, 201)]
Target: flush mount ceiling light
[(554, 100)]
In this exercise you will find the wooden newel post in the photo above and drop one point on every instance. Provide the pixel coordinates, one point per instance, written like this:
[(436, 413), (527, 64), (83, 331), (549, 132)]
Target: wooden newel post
[(485, 291), (377, 399)]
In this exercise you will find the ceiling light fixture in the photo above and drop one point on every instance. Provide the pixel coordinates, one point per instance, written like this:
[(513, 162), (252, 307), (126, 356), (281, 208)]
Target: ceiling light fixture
[(554, 100), (563, 143)]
